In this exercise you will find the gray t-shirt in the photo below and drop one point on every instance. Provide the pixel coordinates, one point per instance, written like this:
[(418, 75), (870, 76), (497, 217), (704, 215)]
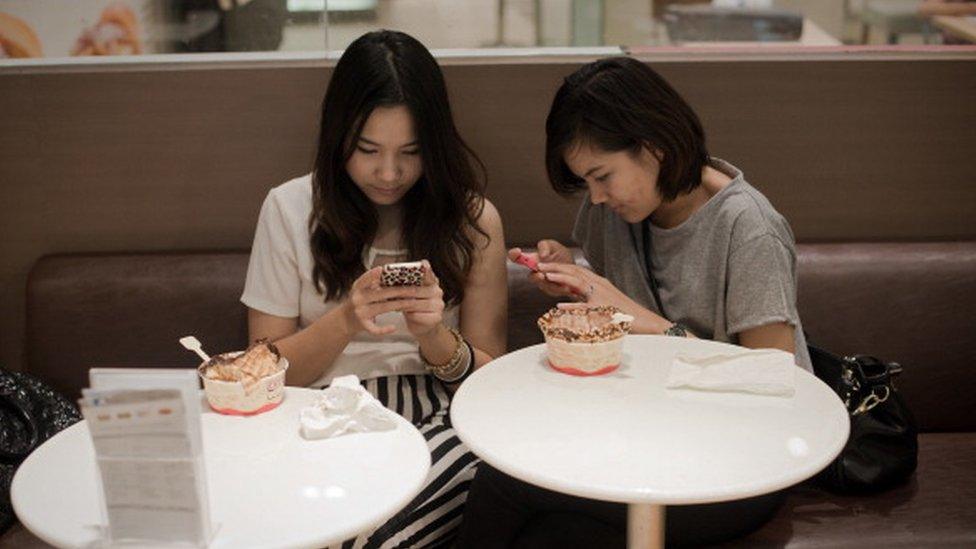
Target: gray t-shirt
[(729, 267)]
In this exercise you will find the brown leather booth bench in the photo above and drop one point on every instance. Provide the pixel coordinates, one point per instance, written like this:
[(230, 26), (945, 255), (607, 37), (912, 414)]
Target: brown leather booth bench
[(914, 303)]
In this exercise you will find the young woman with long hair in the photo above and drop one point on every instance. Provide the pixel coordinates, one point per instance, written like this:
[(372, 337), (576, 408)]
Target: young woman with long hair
[(393, 181)]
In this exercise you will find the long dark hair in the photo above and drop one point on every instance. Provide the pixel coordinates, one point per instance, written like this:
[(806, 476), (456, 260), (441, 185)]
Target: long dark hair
[(620, 104), (380, 69)]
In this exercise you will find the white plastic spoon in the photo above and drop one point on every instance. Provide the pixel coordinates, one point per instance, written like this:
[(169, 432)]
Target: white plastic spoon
[(193, 344), (620, 318)]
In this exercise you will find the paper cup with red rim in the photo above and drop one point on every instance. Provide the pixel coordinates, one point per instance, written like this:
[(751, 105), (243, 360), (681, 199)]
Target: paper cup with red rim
[(247, 396), (584, 340)]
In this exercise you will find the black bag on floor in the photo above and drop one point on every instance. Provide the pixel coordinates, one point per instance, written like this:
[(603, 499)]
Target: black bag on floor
[(882, 449), (30, 413)]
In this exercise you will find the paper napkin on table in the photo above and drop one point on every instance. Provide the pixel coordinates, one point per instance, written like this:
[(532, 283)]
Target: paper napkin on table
[(344, 407), (759, 371)]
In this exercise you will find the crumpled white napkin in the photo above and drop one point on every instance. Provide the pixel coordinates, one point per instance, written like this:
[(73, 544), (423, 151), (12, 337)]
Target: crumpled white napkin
[(344, 407), (756, 371)]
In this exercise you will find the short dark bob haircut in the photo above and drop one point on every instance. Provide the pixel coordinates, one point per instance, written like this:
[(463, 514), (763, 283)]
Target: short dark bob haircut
[(621, 104)]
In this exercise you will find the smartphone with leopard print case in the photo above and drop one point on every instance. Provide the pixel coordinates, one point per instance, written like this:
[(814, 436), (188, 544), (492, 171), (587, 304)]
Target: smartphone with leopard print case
[(402, 274)]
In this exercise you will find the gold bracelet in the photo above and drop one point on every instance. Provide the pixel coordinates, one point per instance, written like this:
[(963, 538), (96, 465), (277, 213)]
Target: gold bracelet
[(449, 367), (462, 369)]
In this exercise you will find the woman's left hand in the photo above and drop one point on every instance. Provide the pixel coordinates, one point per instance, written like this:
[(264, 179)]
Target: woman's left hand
[(593, 289), (425, 310)]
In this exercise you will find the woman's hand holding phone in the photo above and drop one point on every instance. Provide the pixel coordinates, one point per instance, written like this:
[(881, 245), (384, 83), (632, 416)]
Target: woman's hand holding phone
[(424, 311), (380, 291), (549, 251)]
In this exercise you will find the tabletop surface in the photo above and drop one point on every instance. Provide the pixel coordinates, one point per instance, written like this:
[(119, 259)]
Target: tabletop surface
[(623, 437), (268, 487)]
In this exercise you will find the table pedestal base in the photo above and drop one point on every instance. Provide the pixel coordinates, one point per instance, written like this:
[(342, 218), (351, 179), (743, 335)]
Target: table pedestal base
[(645, 526)]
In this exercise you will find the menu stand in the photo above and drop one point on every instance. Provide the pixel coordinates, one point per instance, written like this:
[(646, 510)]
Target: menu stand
[(146, 433)]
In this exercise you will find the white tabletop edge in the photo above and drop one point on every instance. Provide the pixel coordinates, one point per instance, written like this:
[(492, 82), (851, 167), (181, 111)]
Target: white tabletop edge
[(728, 492), (326, 539), (15, 487), (337, 538)]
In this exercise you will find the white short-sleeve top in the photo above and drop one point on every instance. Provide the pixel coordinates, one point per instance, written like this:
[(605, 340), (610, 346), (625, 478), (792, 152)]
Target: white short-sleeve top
[(279, 282)]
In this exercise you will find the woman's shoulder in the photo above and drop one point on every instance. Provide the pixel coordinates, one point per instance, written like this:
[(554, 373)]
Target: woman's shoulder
[(757, 218), (291, 200), (297, 191), (487, 223), (487, 217), (750, 215)]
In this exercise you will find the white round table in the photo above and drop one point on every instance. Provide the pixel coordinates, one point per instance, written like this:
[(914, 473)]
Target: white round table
[(623, 437), (268, 487)]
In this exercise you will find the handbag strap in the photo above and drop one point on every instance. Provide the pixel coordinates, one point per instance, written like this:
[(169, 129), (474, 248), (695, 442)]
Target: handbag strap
[(871, 371), (870, 380), (646, 263)]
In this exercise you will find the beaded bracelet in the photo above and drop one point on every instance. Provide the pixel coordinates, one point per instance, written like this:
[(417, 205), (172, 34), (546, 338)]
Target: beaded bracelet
[(470, 368), (467, 366), (457, 365)]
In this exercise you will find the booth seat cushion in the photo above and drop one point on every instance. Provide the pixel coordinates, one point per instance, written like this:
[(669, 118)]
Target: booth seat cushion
[(130, 310)]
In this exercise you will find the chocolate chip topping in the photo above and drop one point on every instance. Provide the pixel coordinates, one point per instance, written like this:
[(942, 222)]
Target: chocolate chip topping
[(583, 324)]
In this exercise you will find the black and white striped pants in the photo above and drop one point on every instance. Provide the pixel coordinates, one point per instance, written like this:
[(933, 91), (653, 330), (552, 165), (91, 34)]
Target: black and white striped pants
[(432, 518)]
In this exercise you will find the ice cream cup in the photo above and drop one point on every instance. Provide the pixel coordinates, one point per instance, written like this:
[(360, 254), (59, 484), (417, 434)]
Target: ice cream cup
[(585, 352), (584, 359), (231, 397)]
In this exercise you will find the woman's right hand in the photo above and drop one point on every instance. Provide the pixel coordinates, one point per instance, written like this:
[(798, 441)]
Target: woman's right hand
[(549, 251), (367, 300)]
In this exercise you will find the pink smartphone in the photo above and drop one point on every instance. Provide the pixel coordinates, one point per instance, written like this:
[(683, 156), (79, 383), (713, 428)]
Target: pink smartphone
[(402, 274), (532, 264), (528, 261)]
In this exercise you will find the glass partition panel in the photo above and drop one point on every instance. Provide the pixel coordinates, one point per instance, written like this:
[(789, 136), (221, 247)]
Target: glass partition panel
[(67, 28)]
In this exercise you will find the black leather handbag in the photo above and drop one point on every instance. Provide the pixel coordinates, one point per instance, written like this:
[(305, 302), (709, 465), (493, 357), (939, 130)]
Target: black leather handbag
[(30, 413), (882, 450)]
